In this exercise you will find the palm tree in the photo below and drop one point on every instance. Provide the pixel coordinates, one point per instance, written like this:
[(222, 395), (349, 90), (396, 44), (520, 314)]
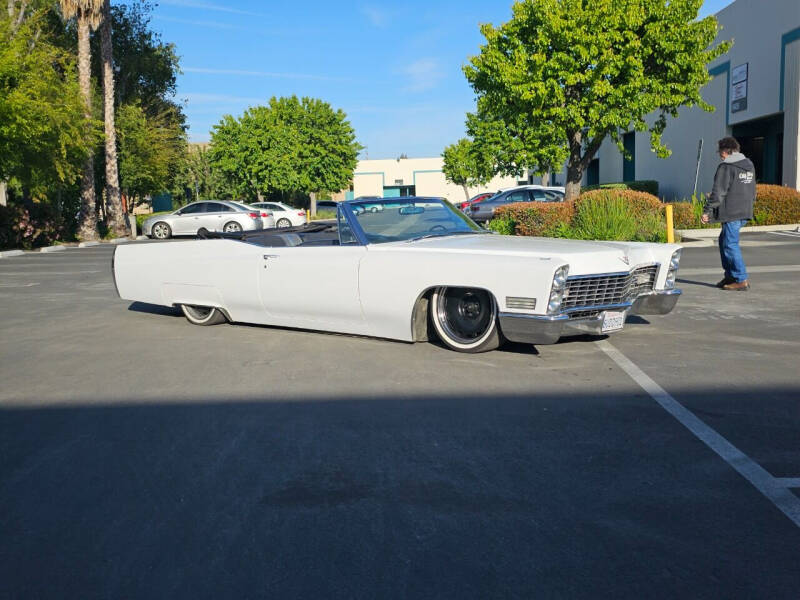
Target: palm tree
[(88, 13), (114, 208)]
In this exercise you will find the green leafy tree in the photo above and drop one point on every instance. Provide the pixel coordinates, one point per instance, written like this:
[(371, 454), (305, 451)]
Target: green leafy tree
[(290, 145), (150, 151), (146, 66), (462, 166), (199, 179), (42, 121), (562, 75)]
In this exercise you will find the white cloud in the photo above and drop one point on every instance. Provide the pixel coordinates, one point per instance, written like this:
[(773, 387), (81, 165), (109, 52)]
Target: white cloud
[(269, 74), (194, 98), (422, 75), (376, 16), (210, 6), (213, 24)]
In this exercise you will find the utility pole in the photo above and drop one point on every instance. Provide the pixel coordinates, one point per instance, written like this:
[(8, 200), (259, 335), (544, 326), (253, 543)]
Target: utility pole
[(697, 167)]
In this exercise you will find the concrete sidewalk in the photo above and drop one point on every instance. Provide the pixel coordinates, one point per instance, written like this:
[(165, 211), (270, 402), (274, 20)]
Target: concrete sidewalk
[(698, 238)]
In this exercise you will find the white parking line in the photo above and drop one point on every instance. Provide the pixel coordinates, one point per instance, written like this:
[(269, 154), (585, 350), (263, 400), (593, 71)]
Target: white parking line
[(794, 234), (717, 270), (789, 482), (775, 489)]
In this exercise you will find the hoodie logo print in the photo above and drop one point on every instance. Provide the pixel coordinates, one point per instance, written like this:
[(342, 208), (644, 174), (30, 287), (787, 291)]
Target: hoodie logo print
[(746, 177)]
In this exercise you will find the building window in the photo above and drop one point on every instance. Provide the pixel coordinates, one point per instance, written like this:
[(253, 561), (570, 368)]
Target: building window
[(398, 182)]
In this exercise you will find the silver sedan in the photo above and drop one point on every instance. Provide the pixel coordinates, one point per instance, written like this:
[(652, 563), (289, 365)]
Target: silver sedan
[(216, 215)]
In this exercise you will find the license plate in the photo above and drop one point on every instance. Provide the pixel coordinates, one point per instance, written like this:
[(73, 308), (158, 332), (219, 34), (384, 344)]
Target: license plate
[(612, 321)]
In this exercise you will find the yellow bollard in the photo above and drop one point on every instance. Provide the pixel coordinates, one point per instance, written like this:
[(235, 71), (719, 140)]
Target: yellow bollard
[(308, 216), (670, 229)]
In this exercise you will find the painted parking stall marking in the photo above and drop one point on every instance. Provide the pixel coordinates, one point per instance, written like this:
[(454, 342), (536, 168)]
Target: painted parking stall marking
[(766, 269), (776, 489)]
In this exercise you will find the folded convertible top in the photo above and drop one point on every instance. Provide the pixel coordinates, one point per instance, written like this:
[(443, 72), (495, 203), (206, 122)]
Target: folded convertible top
[(288, 236)]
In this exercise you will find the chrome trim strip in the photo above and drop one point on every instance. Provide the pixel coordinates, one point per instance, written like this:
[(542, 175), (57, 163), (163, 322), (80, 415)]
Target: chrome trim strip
[(616, 274), (599, 307), (543, 318)]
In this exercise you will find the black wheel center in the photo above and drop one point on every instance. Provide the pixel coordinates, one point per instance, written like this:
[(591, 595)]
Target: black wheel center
[(469, 308)]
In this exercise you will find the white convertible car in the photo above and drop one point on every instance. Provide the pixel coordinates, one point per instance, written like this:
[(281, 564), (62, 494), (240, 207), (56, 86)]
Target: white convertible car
[(414, 269)]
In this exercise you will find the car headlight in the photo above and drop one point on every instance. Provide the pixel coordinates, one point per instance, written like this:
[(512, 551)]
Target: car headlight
[(672, 273), (557, 289)]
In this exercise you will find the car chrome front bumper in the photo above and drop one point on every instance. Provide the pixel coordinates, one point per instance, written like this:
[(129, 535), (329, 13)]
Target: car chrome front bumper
[(547, 329)]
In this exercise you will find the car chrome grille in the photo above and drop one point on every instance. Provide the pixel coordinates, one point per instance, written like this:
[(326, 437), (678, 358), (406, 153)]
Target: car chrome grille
[(603, 290)]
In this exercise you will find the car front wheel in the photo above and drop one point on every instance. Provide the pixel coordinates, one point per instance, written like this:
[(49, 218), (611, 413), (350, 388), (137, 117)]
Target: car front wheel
[(283, 223), (465, 319), (203, 315), (161, 231), (232, 227)]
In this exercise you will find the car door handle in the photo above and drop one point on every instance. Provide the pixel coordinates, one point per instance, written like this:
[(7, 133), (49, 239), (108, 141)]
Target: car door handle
[(268, 256)]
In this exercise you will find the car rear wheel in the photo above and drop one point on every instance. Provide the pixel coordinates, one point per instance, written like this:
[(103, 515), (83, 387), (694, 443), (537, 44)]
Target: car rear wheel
[(465, 319), (232, 227), (161, 231), (203, 315), (283, 223)]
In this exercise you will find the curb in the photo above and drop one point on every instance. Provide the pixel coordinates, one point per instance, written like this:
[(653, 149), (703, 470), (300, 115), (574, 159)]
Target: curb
[(88, 244), (8, 253), (142, 237), (53, 249), (118, 240), (701, 234), (706, 243)]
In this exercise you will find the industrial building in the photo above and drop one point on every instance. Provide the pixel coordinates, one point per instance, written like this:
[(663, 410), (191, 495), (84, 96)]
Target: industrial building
[(755, 88), (393, 177)]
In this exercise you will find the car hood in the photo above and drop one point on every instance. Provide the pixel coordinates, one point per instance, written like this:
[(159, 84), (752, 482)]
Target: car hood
[(582, 256)]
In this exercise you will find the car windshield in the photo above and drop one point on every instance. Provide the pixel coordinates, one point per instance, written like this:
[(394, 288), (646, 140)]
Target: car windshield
[(411, 219)]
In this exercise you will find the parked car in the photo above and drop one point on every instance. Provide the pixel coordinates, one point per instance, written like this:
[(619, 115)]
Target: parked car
[(327, 205), (370, 204), (422, 262), (477, 198), (484, 210), (213, 215), (284, 215)]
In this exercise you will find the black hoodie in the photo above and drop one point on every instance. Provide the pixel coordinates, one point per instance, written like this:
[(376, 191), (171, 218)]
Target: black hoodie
[(734, 190)]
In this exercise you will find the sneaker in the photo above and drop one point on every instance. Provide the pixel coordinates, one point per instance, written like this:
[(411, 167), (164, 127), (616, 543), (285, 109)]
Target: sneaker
[(725, 281), (737, 286)]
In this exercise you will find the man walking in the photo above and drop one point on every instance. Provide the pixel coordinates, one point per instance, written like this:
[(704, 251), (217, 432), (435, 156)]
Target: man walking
[(731, 203)]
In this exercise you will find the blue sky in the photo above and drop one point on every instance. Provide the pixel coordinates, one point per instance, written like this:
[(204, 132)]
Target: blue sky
[(394, 68)]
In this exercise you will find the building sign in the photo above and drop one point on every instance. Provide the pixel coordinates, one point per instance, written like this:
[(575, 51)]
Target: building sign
[(739, 88)]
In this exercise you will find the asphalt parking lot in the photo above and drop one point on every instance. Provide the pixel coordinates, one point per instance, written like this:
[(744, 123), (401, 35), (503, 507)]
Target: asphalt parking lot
[(141, 456)]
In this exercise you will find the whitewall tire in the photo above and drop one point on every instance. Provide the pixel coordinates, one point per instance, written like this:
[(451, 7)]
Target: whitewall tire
[(203, 315), (465, 319)]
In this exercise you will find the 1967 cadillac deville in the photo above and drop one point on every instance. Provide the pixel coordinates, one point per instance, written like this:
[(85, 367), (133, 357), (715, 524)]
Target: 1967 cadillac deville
[(415, 268)]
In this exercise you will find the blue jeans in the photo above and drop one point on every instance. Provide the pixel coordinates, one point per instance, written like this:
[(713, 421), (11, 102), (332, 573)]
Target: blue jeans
[(729, 250)]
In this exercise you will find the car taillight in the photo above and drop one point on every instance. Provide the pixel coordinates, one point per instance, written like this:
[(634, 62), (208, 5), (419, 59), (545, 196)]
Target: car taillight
[(254, 215), (266, 214), (301, 213)]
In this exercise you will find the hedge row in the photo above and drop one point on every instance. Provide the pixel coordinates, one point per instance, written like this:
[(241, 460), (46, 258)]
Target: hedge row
[(603, 214), (775, 205), (620, 214), (649, 186)]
